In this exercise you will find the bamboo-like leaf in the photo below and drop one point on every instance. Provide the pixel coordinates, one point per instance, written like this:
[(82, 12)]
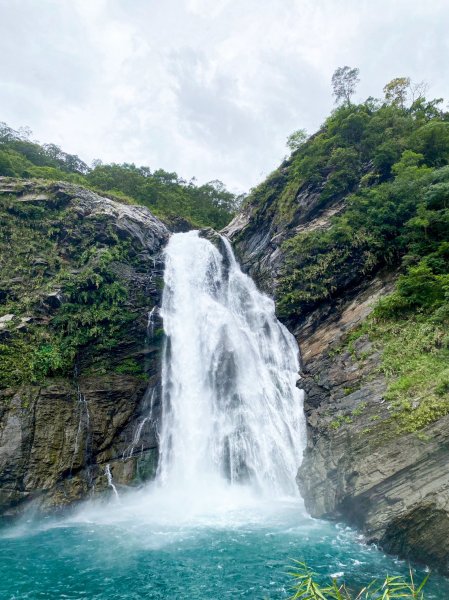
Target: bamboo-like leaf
[(393, 587)]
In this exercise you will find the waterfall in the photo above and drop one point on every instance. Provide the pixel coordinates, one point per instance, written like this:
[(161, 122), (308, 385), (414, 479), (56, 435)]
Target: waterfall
[(223, 516), (111, 484), (232, 414)]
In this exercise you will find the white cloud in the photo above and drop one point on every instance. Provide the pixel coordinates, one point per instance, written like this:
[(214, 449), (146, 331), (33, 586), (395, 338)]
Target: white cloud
[(209, 88)]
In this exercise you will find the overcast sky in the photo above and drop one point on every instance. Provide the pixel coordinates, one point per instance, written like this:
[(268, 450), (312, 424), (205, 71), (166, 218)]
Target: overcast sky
[(207, 88)]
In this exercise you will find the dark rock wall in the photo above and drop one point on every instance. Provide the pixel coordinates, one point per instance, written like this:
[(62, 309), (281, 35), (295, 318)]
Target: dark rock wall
[(56, 441)]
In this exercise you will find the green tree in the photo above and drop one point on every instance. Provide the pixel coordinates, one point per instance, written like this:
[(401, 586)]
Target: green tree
[(6, 166), (297, 139), (396, 91), (432, 140), (344, 82)]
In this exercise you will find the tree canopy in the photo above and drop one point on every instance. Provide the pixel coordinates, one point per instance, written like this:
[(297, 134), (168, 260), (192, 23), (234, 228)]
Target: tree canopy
[(165, 193), (344, 83)]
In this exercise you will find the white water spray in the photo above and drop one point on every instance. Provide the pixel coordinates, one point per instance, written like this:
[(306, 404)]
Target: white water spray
[(83, 420), (150, 323), (232, 413), (130, 450)]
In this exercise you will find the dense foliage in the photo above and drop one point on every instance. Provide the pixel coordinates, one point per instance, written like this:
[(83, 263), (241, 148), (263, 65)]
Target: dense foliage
[(166, 194), (375, 180), (64, 292), (389, 163), (60, 286)]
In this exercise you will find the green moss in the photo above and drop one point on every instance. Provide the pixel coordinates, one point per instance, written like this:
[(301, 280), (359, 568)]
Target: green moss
[(416, 365), (332, 352), (31, 357), (359, 409), (347, 419), (415, 361), (129, 367), (158, 333), (350, 389), (410, 419)]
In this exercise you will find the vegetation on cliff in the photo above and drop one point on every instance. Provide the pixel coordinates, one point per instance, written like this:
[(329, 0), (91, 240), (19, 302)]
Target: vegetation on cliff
[(64, 286), (71, 287), (372, 186), (175, 200)]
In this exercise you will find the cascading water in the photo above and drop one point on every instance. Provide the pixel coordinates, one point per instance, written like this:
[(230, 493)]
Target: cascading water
[(231, 409), (223, 519)]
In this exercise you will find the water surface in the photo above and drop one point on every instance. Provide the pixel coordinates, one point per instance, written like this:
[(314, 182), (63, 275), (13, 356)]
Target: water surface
[(134, 550)]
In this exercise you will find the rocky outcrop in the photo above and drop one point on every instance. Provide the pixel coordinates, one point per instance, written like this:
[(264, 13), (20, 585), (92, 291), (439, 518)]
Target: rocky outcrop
[(357, 467), (61, 432)]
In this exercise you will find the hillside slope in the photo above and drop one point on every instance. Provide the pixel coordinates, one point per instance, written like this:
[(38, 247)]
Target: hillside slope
[(179, 203), (351, 236)]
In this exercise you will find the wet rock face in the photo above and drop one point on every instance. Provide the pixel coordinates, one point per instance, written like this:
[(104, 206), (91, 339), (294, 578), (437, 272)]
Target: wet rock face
[(56, 441), (255, 247), (257, 233), (59, 433), (392, 486)]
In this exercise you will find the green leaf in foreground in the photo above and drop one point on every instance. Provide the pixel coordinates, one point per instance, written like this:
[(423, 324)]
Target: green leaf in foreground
[(307, 587)]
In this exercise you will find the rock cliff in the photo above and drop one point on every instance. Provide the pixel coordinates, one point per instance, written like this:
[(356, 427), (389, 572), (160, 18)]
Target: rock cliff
[(81, 358), (359, 466)]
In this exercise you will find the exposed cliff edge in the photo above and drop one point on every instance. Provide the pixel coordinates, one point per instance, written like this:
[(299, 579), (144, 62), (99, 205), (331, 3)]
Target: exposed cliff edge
[(358, 467), (333, 241), (80, 365)]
